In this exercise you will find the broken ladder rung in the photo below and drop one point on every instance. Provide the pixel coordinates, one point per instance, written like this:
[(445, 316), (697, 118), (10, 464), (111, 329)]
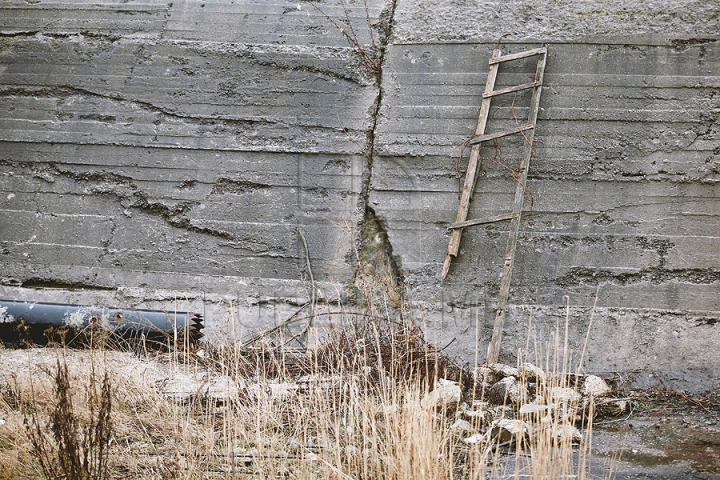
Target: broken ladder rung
[(516, 88), (480, 221), (519, 55), (493, 136)]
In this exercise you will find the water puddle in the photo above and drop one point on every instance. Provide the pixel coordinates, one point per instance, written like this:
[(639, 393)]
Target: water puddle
[(651, 444)]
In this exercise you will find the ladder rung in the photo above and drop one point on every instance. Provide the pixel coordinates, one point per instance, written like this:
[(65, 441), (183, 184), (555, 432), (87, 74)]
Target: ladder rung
[(493, 136), (517, 56), (515, 88), (480, 221)]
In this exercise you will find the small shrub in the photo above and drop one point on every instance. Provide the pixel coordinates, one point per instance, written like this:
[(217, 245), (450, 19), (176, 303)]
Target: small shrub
[(76, 447)]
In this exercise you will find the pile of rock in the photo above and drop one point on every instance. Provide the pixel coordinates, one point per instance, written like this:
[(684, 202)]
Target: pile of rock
[(513, 402)]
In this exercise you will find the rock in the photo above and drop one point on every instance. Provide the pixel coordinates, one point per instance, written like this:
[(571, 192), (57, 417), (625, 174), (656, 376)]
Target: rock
[(483, 374), (565, 394), (612, 407), (503, 370), (568, 434), (594, 386), (473, 439), (505, 430), (508, 390), (534, 408), (461, 425), (531, 373), (445, 393)]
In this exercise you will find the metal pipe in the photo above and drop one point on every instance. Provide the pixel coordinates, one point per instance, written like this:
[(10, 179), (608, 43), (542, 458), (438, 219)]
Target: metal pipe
[(40, 323)]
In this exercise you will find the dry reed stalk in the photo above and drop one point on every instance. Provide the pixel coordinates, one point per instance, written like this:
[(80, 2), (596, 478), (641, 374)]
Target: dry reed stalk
[(357, 414)]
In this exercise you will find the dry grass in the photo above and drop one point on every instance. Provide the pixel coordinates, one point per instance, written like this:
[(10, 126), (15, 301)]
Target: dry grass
[(352, 407)]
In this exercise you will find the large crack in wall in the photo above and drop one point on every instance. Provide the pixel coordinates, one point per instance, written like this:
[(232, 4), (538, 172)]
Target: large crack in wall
[(378, 279)]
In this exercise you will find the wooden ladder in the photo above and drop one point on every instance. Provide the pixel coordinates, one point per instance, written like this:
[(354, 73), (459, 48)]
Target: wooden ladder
[(528, 133)]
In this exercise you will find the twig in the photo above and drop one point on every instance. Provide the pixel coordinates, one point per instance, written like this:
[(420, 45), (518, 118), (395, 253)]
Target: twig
[(313, 300), (371, 60), (293, 318), (683, 395)]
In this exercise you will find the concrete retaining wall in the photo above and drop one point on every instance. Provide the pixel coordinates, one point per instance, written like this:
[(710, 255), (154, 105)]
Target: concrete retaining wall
[(164, 154)]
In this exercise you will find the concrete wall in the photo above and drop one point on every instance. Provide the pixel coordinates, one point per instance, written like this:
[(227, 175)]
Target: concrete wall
[(167, 152), (156, 154)]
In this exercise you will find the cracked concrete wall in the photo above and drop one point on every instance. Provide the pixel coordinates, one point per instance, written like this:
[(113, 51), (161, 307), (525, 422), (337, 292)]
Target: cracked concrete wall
[(164, 153), (622, 191)]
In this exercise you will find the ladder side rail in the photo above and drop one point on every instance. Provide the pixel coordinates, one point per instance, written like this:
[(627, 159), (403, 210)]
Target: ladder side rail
[(471, 174), (509, 260)]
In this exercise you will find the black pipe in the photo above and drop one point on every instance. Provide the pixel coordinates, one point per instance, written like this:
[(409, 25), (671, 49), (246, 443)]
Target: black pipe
[(28, 323)]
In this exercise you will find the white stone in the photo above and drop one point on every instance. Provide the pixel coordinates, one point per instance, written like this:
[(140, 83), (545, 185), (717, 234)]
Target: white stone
[(504, 370), (462, 425), (446, 392), (595, 386), (508, 389), (533, 408), (473, 439), (531, 372), (565, 394), (505, 429)]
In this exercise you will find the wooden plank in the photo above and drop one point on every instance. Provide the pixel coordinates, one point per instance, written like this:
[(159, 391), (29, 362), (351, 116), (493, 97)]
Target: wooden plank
[(519, 55), (494, 347), (480, 221), (515, 88), (493, 136), (471, 175)]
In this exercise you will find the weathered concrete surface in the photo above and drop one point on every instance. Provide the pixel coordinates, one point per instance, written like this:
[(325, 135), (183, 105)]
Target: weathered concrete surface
[(164, 154), (168, 152), (623, 185)]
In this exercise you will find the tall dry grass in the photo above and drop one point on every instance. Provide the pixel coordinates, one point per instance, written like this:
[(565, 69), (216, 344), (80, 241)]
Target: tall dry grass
[(351, 407)]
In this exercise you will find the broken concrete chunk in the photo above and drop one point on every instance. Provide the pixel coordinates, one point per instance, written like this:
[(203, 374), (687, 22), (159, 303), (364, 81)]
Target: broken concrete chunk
[(565, 394), (503, 370), (505, 430), (445, 393), (566, 433), (508, 390), (461, 425), (612, 407), (534, 408), (595, 386), (531, 372)]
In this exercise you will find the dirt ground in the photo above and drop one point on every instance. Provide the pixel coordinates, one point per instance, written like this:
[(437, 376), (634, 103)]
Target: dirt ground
[(666, 435)]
